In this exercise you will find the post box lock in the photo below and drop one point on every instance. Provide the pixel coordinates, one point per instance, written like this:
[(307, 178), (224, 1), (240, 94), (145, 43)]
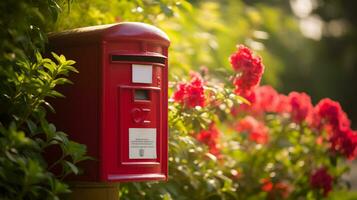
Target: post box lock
[(118, 103)]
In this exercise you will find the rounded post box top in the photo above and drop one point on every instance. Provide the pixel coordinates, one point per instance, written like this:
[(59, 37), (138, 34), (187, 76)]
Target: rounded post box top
[(112, 32)]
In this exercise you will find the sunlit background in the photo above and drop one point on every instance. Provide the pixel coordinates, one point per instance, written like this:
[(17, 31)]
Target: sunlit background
[(307, 45)]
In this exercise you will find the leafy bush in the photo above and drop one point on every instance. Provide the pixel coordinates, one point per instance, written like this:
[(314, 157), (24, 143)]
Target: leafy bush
[(27, 81), (229, 138), (244, 141)]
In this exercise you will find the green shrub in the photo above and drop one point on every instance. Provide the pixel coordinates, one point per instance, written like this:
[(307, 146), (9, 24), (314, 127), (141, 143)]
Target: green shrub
[(263, 146), (27, 81)]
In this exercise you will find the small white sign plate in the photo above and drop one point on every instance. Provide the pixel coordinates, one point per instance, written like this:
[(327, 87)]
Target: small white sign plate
[(142, 143), (141, 73)]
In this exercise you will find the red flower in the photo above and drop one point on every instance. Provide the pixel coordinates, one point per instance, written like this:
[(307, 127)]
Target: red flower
[(279, 190), (210, 137), (267, 185), (320, 179), (245, 107), (250, 70), (283, 104), (265, 99), (330, 112), (180, 93), (195, 92), (260, 136), (241, 59), (329, 115), (191, 94), (319, 140), (344, 142), (283, 189), (301, 107), (257, 131)]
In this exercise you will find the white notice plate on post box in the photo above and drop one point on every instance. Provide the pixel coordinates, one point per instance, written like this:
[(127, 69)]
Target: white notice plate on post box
[(141, 73), (142, 143)]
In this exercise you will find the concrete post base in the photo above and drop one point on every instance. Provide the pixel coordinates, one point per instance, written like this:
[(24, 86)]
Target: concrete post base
[(94, 191)]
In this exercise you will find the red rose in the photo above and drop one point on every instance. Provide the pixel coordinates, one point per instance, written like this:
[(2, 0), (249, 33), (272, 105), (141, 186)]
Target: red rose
[(330, 112), (210, 137), (329, 115), (267, 185), (320, 179), (344, 142), (257, 131), (301, 107), (283, 104), (180, 93), (264, 99), (283, 189), (191, 94), (279, 190), (195, 92), (250, 70)]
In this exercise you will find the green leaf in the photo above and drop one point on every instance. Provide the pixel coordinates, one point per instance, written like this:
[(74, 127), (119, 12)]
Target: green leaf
[(50, 66), (57, 57), (45, 76), (70, 68), (32, 126), (58, 187), (72, 167), (49, 106), (61, 137), (167, 196), (61, 81), (69, 62), (241, 99), (38, 57), (75, 150), (54, 93)]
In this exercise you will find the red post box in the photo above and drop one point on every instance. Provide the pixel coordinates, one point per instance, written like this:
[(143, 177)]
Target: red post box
[(117, 105)]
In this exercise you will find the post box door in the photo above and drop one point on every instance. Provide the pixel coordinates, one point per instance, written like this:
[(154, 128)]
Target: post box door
[(133, 121), (140, 127)]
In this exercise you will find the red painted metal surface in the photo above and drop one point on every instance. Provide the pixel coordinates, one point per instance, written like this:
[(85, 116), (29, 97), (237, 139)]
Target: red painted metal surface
[(101, 106)]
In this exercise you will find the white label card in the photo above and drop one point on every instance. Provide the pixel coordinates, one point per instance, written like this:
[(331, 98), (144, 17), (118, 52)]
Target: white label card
[(142, 143), (141, 73)]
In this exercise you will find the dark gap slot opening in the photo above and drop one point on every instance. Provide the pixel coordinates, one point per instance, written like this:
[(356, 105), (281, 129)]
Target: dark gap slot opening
[(152, 59), (141, 94)]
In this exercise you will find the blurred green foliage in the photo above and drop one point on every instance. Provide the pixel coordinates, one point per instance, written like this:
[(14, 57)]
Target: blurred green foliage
[(203, 33), (27, 81), (238, 171), (346, 195)]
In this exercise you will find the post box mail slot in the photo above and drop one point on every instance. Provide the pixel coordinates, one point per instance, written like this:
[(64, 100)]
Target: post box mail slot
[(117, 105)]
